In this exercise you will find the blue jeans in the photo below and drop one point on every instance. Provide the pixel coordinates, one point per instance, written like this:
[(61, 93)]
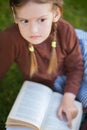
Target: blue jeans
[(59, 85)]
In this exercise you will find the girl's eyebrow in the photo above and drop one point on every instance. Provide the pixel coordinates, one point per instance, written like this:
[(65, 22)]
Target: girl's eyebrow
[(33, 18)]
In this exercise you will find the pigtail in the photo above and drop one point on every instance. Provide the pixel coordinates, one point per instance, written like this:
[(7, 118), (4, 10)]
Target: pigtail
[(54, 59), (33, 61)]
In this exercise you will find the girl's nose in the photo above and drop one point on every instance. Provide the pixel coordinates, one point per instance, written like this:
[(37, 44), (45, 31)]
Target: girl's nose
[(33, 28)]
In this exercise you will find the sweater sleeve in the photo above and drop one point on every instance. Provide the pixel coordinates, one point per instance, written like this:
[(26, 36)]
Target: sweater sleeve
[(7, 53), (73, 63)]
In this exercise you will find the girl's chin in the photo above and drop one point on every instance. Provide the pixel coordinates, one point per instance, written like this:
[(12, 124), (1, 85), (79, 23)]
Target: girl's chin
[(35, 42)]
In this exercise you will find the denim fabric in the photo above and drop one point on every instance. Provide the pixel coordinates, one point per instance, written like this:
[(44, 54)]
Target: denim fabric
[(82, 36), (82, 94), (59, 84)]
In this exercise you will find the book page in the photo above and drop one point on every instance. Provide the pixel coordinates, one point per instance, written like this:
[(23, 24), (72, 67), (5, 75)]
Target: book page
[(31, 104), (51, 121)]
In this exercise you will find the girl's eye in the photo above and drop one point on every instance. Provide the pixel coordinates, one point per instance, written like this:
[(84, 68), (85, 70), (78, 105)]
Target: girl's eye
[(42, 20), (24, 21)]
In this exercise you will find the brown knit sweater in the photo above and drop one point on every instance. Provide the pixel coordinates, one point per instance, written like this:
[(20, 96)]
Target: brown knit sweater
[(13, 48)]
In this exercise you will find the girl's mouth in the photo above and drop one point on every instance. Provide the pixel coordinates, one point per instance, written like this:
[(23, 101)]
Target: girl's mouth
[(35, 37)]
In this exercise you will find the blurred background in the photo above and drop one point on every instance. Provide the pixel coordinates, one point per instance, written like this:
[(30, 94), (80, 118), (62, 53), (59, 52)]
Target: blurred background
[(75, 11)]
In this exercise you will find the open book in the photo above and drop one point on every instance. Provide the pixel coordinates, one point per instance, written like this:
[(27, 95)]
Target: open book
[(36, 107)]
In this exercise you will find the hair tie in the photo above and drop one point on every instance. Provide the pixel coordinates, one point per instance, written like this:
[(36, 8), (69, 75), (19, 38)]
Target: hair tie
[(53, 44), (31, 49)]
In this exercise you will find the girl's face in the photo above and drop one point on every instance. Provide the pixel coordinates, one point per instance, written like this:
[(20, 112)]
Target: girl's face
[(35, 21)]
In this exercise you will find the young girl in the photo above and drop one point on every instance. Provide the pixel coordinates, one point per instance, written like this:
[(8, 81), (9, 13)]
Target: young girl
[(44, 46)]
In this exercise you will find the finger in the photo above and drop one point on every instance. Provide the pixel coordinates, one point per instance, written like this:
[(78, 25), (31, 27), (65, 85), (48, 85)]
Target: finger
[(69, 119), (60, 115)]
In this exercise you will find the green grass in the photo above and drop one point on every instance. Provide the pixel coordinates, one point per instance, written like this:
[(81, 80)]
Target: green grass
[(74, 11), (5, 15)]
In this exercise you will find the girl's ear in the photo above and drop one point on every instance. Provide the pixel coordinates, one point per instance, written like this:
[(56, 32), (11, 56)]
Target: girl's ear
[(57, 15)]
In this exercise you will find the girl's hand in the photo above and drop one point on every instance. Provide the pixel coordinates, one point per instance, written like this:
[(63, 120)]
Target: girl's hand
[(68, 108)]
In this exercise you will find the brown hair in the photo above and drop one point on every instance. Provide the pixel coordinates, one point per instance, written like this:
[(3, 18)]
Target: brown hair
[(54, 59), (53, 63), (18, 3)]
